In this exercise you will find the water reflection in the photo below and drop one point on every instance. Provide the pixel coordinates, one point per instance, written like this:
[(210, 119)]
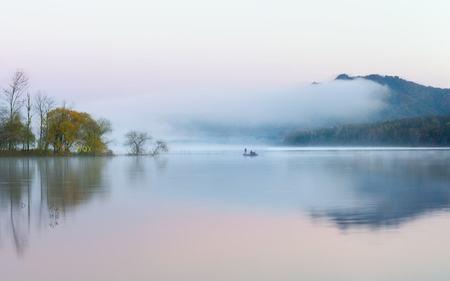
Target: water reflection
[(15, 198), (40, 191), (370, 190), (394, 189), (71, 182)]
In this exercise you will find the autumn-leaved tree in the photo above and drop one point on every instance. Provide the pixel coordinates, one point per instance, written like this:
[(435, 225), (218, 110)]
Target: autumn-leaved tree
[(92, 132), (69, 129)]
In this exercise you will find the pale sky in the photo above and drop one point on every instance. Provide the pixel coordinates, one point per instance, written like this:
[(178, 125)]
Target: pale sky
[(90, 52)]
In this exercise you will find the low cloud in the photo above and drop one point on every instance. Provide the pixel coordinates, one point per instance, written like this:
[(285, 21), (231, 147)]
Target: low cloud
[(181, 115), (314, 105)]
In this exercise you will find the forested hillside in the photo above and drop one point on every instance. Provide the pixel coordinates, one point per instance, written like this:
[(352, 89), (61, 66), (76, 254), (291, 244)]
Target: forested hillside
[(421, 131), (408, 99)]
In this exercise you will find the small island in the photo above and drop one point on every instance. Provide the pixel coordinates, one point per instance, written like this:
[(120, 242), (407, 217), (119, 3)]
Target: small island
[(62, 131)]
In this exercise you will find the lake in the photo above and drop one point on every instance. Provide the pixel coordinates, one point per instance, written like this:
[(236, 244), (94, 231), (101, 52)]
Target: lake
[(287, 214)]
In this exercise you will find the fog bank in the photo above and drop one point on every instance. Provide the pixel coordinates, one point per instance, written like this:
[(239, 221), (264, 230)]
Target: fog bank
[(217, 113)]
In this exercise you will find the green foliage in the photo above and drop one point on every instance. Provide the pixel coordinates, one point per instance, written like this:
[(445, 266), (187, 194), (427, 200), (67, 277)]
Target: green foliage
[(28, 137), (423, 131), (407, 99), (14, 133), (65, 130)]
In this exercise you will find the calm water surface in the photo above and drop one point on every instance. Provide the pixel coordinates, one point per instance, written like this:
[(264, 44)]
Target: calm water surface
[(285, 215)]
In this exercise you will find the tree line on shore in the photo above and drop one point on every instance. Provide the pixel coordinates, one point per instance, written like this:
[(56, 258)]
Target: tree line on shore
[(419, 131), (59, 130)]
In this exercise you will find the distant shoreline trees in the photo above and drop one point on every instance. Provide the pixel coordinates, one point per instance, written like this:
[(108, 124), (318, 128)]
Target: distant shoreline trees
[(419, 131)]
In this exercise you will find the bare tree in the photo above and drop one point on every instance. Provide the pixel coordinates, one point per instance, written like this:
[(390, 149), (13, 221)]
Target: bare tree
[(160, 146), (105, 127), (13, 94), (137, 141), (13, 97), (29, 137), (43, 104)]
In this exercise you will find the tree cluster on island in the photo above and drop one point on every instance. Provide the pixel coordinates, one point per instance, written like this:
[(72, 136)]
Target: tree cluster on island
[(60, 130)]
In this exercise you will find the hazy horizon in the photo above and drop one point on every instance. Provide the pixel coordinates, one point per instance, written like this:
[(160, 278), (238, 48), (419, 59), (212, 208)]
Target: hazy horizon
[(145, 64)]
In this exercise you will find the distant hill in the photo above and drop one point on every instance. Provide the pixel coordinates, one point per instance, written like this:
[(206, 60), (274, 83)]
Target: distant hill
[(408, 99), (405, 100), (419, 131)]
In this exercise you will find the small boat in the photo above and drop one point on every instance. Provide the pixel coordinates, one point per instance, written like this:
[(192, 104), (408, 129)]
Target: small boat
[(251, 154)]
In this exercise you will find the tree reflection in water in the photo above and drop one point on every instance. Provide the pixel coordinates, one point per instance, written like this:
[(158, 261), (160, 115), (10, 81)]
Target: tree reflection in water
[(40, 191), (394, 190), (369, 190)]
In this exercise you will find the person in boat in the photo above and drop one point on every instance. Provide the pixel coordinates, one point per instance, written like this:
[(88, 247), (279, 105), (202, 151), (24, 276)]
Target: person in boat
[(249, 153)]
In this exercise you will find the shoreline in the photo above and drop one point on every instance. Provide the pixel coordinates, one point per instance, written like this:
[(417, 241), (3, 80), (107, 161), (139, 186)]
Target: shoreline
[(224, 149)]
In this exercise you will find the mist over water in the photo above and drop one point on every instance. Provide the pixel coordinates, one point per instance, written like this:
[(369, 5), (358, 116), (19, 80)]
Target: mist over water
[(216, 115)]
